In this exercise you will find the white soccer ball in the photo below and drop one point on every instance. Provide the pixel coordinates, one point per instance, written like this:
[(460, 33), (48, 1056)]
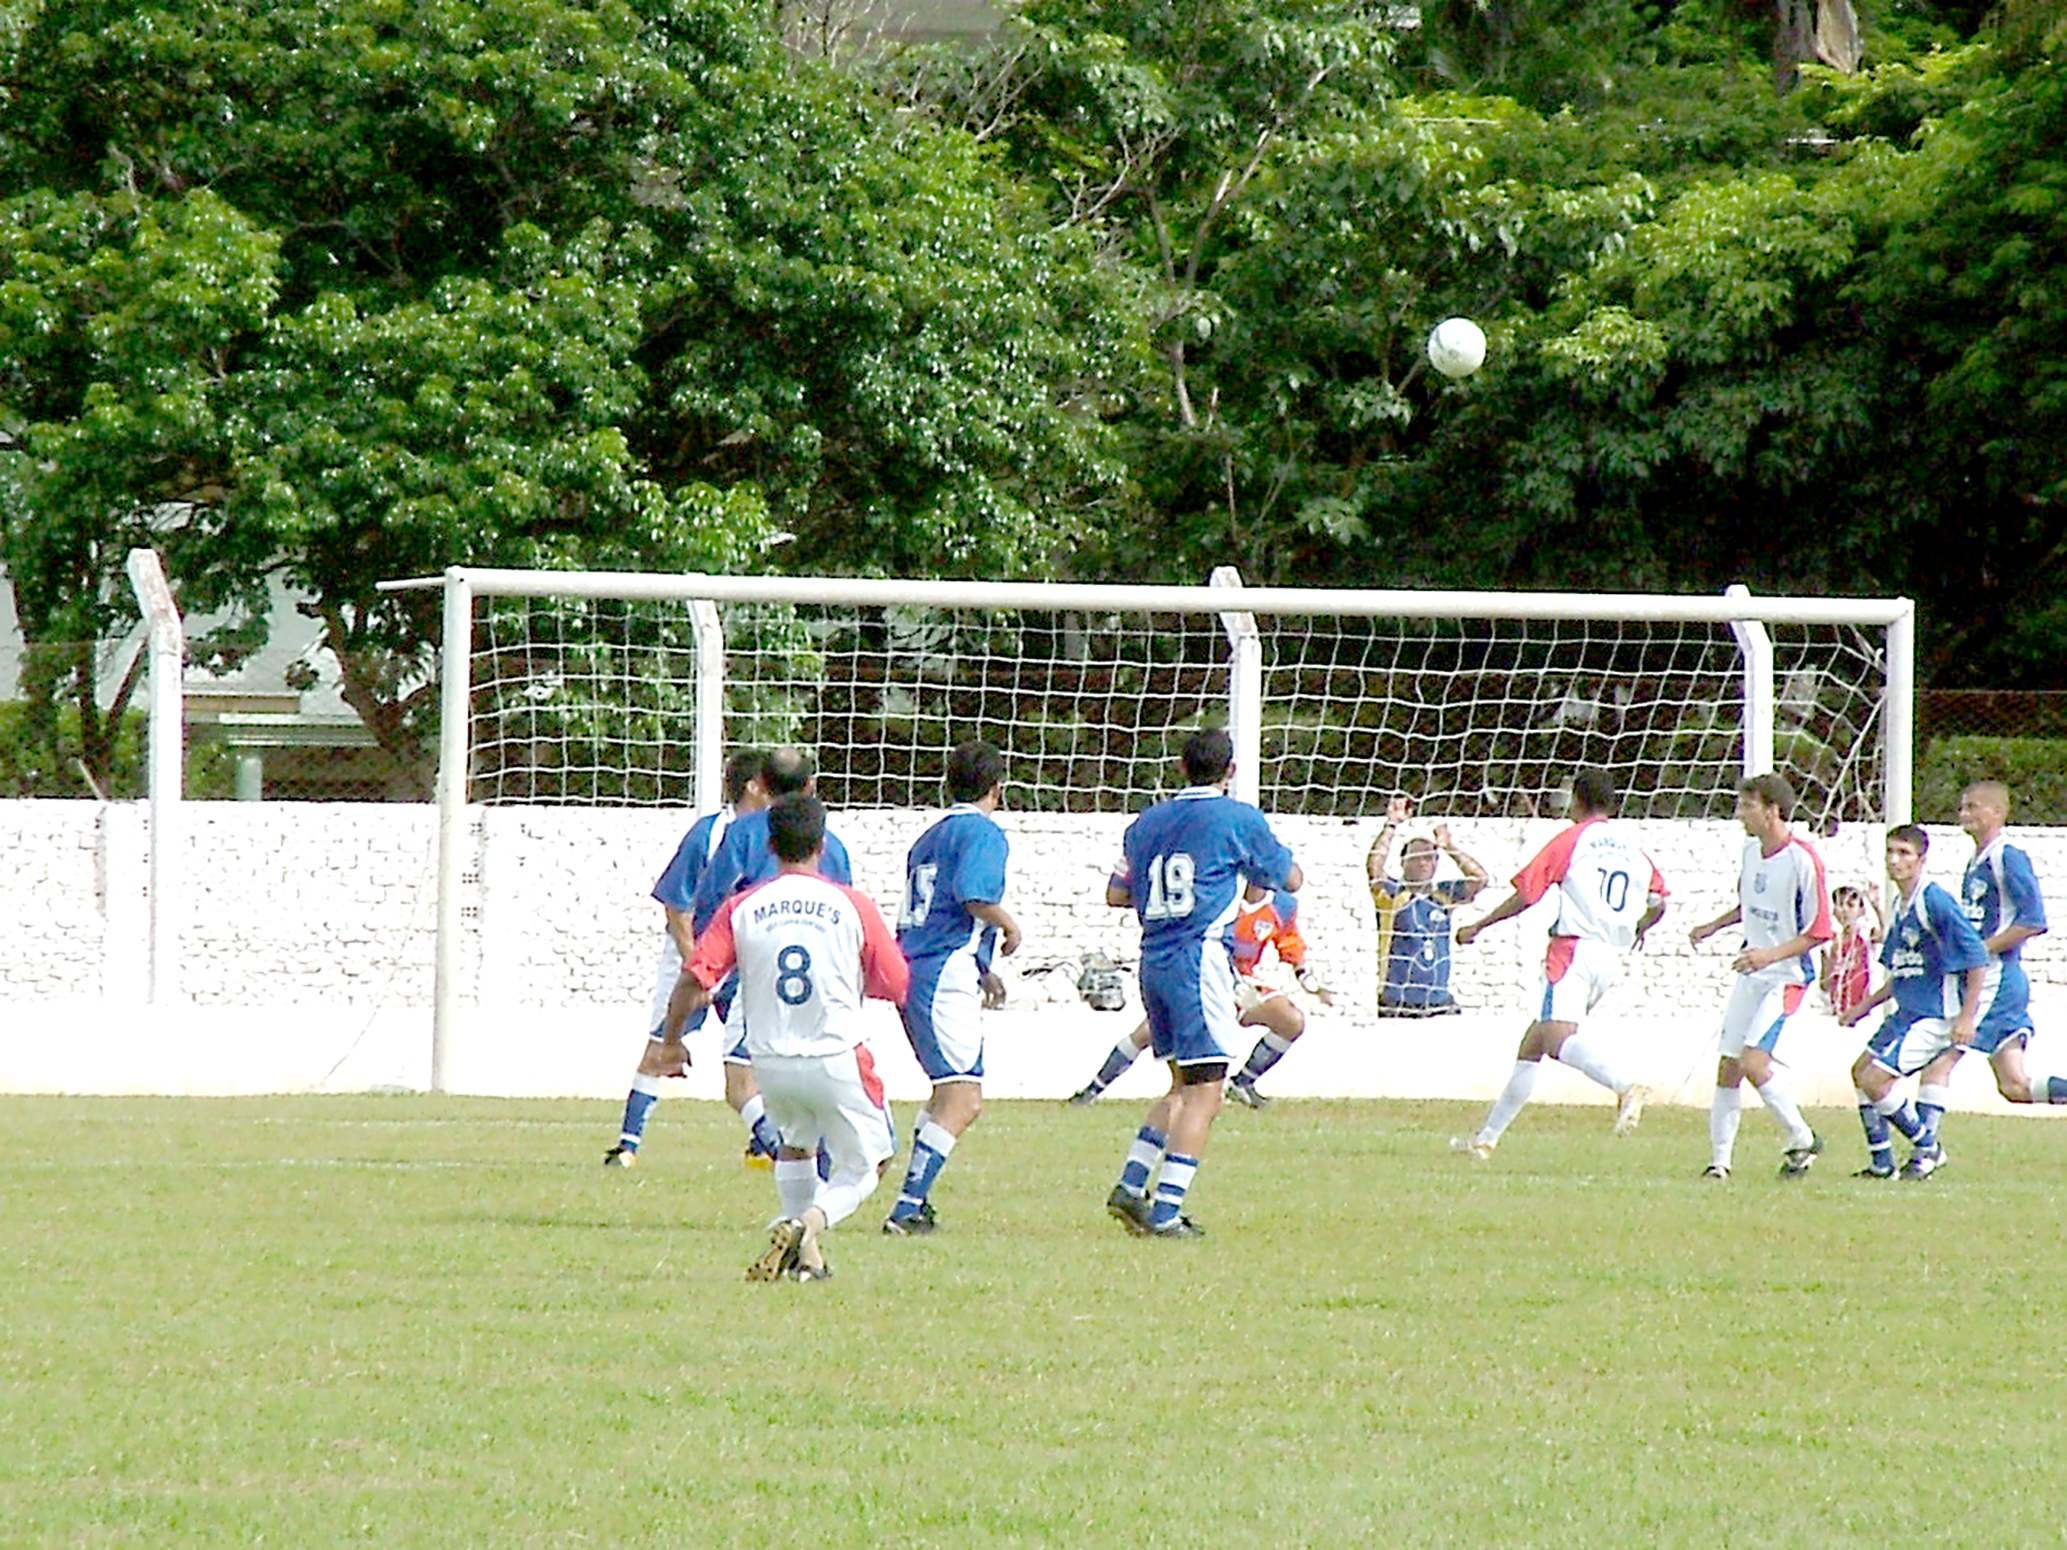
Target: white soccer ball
[(1456, 347)]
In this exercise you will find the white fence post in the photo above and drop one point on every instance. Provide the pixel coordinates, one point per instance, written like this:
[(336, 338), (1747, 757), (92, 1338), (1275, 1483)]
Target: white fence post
[(167, 645)]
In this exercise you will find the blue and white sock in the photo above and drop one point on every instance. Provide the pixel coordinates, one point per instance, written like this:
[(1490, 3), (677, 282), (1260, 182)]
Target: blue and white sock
[(762, 1136), (1122, 1056), (1932, 1100), (1269, 1050), (1880, 1140), (638, 1107), (1171, 1188), (1895, 1109), (1142, 1158), (930, 1150)]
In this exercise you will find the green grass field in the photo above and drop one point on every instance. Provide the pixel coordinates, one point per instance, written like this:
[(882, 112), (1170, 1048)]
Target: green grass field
[(423, 1321)]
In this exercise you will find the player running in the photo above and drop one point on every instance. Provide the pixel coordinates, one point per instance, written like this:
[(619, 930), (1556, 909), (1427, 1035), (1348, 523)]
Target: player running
[(953, 919), (807, 951), (676, 893), (1183, 866)]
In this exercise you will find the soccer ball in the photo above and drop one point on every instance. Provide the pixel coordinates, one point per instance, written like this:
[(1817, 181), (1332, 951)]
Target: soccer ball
[(1456, 346)]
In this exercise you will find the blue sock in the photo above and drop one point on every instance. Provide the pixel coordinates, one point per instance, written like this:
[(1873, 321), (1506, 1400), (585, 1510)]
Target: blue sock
[(1269, 1050), (1880, 1141), (1178, 1172), (638, 1105), (1931, 1103), (1142, 1158), (1115, 1066), (1904, 1119), (762, 1136), (2053, 1089), (929, 1154)]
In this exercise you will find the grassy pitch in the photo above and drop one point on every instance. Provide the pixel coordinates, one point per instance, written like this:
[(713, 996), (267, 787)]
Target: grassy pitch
[(438, 1322)]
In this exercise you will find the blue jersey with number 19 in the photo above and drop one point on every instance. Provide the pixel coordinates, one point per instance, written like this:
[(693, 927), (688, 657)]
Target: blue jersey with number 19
[(1185, 863)]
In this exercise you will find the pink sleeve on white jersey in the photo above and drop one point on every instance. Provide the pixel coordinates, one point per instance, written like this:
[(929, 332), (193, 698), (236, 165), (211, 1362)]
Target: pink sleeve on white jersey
[(716, 951), (1819, 926), (1550, 864), (885, 974)]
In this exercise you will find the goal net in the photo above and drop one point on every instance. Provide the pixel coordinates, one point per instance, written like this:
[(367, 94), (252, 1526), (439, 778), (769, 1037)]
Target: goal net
[(601, 699)]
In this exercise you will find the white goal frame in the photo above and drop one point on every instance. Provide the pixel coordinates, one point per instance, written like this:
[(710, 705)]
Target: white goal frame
[(1236, 605)]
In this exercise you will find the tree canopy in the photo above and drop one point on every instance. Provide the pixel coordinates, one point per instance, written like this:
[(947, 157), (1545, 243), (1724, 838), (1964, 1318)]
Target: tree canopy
[(355, 290)]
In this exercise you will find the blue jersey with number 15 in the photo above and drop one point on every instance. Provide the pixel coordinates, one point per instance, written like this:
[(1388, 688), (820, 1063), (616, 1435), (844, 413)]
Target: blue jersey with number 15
[(1186, 861), (958, 862)]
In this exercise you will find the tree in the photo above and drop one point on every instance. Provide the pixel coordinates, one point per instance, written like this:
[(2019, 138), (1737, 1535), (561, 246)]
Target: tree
[(519, 282)]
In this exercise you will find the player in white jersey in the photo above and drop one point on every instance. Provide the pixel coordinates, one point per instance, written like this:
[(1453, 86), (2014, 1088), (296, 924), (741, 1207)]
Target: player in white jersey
[(1609, 893), (1783, 904), (808, 951)]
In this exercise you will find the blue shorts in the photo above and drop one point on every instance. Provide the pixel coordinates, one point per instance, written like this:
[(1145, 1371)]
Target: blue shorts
[(943, 1017), (1190, 1001), (2003, 1027)]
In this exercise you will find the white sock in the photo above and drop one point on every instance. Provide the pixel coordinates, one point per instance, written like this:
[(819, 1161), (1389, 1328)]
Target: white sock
[(796, 1181), (1723, 1114), (1779, 1103), (1583, 1058), (1513, 1097)]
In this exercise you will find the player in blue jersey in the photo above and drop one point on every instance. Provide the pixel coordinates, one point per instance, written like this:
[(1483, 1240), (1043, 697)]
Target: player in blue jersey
[(1937, 969), (1184, 865), (1414, 916), (2003, 904), (676, 891), (743, 858), (953, 920)]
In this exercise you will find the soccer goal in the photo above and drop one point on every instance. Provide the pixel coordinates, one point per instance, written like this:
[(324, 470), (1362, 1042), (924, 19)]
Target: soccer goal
[(619, 689)]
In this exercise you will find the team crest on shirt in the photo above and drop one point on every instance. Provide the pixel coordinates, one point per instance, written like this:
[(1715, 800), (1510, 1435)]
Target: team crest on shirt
[(1758, 882)]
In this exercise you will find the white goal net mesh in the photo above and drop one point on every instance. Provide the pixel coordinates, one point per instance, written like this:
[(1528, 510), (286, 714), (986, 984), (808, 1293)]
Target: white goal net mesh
[(591, 701)]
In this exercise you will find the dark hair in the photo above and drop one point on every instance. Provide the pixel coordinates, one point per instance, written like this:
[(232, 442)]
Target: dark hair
[(1594, 791), (1208, 756), (1839, 895), (742, 766), (973, 768), (786, 770), (1770, 788), (1912, 835), (796, 827)]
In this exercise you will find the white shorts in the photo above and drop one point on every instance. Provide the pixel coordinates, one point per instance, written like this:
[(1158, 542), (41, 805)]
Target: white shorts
[(833, 1102), (1251, 992), (1577, 972), (1905, 1046), (1757, 1014)]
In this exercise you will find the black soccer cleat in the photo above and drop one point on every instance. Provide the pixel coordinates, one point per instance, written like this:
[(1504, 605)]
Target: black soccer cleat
[(1797, 1160), (1130, 1210)]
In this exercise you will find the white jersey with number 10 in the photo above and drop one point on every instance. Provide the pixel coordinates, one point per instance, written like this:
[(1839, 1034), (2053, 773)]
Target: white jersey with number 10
[(1604, 883)]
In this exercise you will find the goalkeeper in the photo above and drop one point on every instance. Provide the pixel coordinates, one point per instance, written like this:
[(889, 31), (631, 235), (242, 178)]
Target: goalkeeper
[(1267, 925)]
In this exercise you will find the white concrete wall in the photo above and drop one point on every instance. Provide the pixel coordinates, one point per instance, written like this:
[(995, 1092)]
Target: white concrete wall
[(309, 933)]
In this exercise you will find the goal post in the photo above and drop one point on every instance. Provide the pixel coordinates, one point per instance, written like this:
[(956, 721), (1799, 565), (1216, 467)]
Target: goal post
[(622, 689)]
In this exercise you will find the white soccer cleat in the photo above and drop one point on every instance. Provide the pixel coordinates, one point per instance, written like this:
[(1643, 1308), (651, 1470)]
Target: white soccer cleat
[(1472, 1147), (1630, 1109)]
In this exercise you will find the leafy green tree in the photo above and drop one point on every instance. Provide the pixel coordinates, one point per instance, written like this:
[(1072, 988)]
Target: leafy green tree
[(522, 282)]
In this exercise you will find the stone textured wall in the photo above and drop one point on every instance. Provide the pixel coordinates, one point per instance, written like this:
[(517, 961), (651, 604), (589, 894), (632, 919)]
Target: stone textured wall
[(336, 904)]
